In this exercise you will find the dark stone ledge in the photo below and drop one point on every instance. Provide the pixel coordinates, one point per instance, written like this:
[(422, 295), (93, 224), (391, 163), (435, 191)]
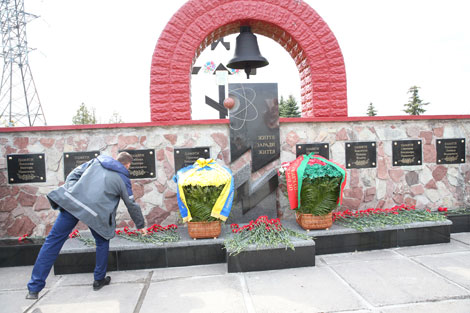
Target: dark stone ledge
[(460, 223), (339, 239), (264, 259), (75, 257)]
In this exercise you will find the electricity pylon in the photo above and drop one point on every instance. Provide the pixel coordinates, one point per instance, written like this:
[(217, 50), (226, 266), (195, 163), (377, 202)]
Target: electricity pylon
[(19, 99)]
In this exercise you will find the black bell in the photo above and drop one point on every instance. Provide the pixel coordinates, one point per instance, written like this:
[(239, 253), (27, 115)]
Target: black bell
[(247, 55)]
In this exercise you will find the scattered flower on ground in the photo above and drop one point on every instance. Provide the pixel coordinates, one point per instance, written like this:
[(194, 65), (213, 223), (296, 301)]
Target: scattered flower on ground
[(461, 211), (377, 217), (23, 237), (263, 232), (155, 234), (87, 241)]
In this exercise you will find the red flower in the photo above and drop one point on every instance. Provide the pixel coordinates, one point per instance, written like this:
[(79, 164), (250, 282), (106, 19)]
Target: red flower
[(157, 228), (23, 237), (74, 234)]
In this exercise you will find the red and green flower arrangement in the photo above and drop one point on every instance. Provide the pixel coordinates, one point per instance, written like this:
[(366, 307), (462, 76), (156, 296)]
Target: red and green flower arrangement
[(263, 232), (155, 234), (375, 217)]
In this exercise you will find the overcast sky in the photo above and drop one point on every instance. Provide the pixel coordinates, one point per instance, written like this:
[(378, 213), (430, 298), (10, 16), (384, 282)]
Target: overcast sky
[(99, 52)]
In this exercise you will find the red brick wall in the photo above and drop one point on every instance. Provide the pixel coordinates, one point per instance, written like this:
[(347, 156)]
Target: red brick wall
[(294, 24)]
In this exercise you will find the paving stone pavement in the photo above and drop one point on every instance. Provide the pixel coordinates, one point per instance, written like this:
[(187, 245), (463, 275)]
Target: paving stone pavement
[(428, 279)]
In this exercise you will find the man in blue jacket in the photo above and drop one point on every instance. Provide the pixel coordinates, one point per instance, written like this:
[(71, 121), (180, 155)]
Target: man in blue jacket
[(91, 194)]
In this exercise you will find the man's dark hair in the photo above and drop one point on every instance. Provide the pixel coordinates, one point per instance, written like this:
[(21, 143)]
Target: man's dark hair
[(125, 158)]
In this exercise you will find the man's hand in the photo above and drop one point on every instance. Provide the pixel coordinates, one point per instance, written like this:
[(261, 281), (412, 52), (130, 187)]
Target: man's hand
[(143, 231)]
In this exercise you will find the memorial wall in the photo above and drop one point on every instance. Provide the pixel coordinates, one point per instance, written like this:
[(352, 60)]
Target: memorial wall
[(421, 161)]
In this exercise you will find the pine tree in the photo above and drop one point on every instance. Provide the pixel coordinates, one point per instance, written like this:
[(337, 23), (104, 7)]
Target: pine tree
[(282, 106), (415, 104), (371, 111), (84, 116), (289, 107)]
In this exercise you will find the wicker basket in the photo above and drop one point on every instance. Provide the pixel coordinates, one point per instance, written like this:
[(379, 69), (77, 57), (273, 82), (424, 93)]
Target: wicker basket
[(309, 221), (198, 230)]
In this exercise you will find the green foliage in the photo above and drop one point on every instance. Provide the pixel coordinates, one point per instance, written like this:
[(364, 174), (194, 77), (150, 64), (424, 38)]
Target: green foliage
[(170, 235), (384, 218), (415, 104), (84, 116), (460, 211), (115, 118), (319, 196), (289, 107), (371, 111), (201, 200), (261, 233)]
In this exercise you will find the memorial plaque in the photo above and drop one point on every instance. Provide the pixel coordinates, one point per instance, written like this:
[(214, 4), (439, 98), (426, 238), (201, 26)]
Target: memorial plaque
[(187, 156), (143, 165), (26, 168), (407, 152), (450, 151), (361, 154), (322, 149), (74, 159)]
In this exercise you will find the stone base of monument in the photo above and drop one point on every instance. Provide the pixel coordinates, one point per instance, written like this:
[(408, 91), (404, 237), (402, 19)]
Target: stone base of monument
[(264, 259), (15, 253), (339, 239), (460, 223), (76, 257)]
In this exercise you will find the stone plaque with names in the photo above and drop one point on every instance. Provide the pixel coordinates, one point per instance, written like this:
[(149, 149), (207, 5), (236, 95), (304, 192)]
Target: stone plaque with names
[(74, 159), (322, 149), (450, 151), (407, 152), (26, 168), (143, 165), (361, 154), (187, 156)]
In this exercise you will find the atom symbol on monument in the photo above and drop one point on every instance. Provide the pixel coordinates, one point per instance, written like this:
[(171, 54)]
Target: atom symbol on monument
[(244, 109)]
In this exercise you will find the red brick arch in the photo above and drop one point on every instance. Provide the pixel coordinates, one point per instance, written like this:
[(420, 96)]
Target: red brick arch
[(292, 23)]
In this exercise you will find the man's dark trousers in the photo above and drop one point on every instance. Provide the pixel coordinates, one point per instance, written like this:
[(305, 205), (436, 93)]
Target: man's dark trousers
[(63, 226)]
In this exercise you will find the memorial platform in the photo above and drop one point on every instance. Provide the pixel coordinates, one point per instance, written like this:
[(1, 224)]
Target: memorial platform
[(76, 257)]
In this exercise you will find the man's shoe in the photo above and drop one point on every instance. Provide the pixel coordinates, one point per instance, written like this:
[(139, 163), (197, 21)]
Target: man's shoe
[(98, 284), (31, 295)]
